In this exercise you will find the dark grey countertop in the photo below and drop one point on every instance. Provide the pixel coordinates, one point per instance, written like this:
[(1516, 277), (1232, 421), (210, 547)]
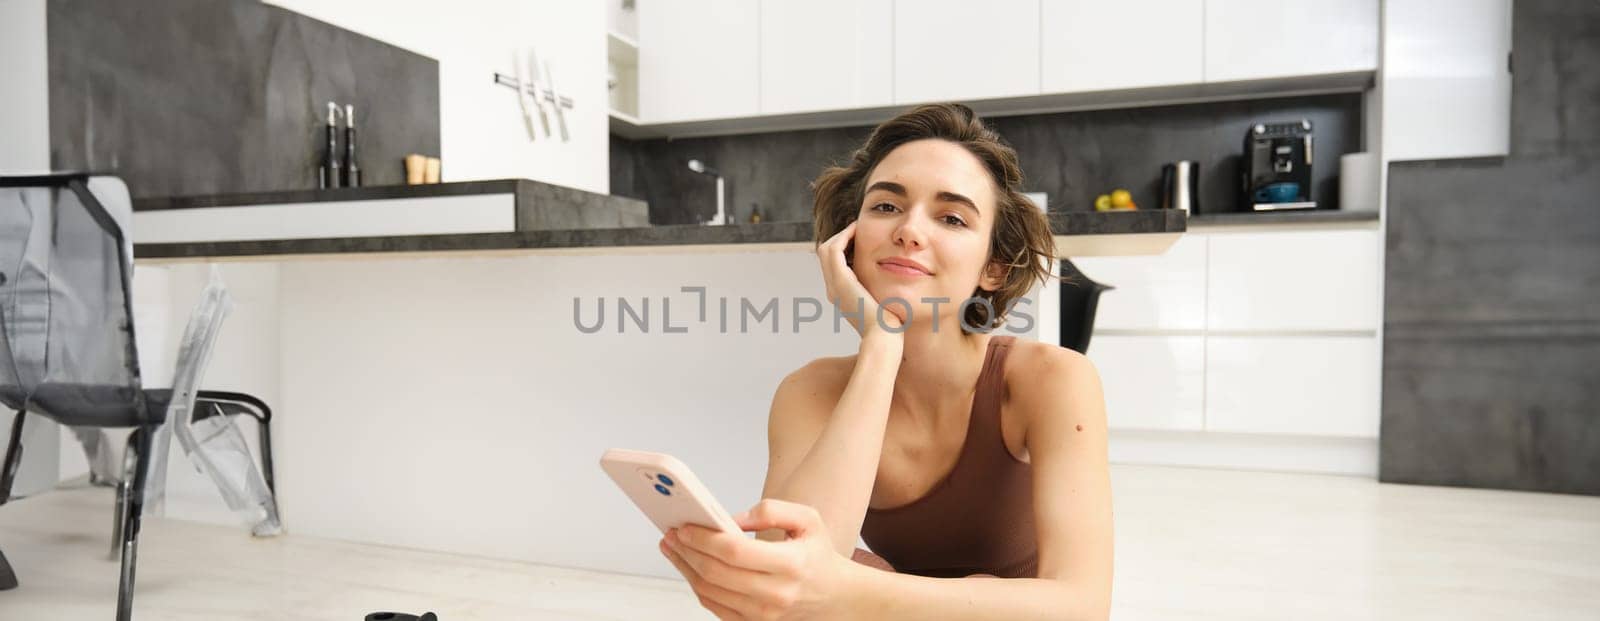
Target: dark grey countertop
[(735, 237), (1269, 218)]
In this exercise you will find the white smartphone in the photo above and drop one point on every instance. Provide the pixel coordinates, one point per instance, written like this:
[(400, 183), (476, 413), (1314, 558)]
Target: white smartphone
[(665, 490)]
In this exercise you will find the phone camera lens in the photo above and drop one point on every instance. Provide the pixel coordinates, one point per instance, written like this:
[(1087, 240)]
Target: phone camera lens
[(663, 490), (665, 480)]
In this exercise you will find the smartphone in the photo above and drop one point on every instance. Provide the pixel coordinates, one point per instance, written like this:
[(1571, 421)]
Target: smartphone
[(665, 490)]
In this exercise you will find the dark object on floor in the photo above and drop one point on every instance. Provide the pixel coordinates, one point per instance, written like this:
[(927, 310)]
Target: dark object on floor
[(8, 578), (400, 616)]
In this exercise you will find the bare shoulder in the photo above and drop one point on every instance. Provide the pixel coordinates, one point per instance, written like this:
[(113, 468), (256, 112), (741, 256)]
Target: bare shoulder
[(1031, 361), (814, 387), (801, 407), (1042, 377)]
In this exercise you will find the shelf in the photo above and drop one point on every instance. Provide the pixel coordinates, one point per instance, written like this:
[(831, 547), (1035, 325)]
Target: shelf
[(1350, 82), (622, 67), (618, 116), (622, 50), (1314, 218)]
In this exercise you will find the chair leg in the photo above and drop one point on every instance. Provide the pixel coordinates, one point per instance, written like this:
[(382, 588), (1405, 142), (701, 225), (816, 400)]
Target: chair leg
[(130, 461), (118, 519), (130, 527), (13, 457), (266, 458)]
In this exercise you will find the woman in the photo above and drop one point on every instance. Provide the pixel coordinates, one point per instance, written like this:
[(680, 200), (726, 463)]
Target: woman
[(954, 453)]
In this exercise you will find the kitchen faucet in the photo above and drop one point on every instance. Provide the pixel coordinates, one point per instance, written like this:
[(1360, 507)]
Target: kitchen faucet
[(722, 217)]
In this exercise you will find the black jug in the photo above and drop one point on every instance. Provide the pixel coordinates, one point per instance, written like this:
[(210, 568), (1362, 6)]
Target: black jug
[(1180, 186)]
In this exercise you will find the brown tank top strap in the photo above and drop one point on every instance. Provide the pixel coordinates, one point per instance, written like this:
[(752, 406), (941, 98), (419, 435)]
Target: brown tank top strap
[(990, 390), (990, 393), (985, 446)]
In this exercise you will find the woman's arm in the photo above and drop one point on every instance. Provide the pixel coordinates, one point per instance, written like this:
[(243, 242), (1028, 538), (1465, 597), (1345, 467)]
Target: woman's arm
[(883, 595), (830, 461), (827, 457)]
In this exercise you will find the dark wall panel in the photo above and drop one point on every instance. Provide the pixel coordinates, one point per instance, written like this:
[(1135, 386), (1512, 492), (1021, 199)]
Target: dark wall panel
[(212, 96), (1491, 364)]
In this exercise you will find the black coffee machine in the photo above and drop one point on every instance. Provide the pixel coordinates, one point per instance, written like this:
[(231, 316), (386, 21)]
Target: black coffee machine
[(1277, 167)]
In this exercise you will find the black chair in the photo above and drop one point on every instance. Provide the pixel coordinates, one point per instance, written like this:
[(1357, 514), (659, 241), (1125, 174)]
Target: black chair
[(1080, 296), (67, 346)]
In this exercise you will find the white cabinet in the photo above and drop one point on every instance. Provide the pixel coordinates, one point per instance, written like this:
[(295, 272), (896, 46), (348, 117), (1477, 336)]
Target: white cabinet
[(1151, 382), (826, 55), (1243, 331), (1293, 280), (1096, 45), (955, 50), (1161, 292), (746, 65), (1324, 386), (1255, 39), (1455, 52), (698, 60)]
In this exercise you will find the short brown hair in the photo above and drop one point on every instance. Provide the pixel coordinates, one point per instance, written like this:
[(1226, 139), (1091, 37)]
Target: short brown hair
[(1021, 232)]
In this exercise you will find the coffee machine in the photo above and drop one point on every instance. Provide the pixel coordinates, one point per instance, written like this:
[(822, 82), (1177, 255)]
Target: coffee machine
[(1277, 167)]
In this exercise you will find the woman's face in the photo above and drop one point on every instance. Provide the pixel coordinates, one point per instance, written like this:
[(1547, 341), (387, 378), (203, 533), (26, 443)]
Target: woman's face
[(924, 229)]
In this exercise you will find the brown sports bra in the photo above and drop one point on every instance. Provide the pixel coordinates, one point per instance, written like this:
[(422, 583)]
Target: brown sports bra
[(979, 518)]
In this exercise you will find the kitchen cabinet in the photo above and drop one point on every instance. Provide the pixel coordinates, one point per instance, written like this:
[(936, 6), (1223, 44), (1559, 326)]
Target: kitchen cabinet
[(1095, 45), (1256, 39), (1151, 382), (826, 55), (1160, 292), (1306, 385), (726, 66), (1315, 280), (955, 50), (1456, 52), (1243, 331), (698, 60)]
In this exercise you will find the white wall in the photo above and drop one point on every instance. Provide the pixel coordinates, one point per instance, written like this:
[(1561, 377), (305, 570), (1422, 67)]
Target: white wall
[(481, 125), (25, 105)]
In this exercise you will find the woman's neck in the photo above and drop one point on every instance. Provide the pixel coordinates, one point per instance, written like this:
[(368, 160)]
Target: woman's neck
[(938, 371)]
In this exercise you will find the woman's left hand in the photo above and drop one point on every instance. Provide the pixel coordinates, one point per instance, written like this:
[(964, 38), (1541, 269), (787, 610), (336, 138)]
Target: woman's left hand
[(736, 577)]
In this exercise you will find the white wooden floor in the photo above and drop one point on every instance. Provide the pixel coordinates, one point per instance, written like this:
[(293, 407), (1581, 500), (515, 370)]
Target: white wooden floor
[(1191, 544)]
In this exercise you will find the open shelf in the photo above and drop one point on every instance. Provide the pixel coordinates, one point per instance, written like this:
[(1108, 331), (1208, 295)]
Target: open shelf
[(622, 49), (622, 84)]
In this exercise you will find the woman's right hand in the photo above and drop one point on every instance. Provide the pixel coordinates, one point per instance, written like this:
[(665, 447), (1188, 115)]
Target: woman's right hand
[(846, 291)]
